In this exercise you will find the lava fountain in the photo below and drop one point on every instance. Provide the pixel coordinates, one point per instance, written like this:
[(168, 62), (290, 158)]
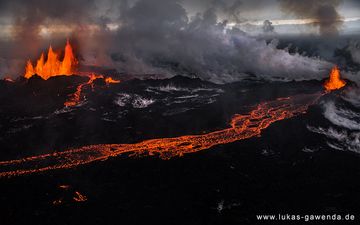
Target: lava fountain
[(334, 82), (53, 66)]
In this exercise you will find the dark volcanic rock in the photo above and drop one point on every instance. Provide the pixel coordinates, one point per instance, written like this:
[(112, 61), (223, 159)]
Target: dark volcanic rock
[(288, 169)]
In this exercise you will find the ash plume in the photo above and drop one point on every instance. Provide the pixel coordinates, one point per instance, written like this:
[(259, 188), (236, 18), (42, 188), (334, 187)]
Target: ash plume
[(324, 12), (230, 8)]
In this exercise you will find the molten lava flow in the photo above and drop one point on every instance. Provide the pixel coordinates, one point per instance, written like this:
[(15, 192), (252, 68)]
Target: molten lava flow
[(76, 97), (242, 127), (53, 66), (334, 82)]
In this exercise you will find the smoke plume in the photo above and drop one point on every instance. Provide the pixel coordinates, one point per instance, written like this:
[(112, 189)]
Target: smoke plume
[(324, 12), (152, 36)]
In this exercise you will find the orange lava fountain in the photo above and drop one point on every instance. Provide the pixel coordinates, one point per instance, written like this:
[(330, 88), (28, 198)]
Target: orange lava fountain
[(334, 82), (242, 127), (53, 66)]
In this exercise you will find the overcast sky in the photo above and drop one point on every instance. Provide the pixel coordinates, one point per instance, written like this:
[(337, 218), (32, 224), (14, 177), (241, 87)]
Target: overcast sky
[(267, 9), (42, 12)]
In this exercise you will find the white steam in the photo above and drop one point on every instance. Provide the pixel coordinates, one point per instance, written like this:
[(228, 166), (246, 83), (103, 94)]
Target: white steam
[(342, 117), (340, 140)]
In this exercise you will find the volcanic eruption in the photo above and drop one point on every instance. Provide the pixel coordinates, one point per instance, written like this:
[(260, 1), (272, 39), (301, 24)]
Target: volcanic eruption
[(334, 82), (179, 112), (242, 126), (53, 66)]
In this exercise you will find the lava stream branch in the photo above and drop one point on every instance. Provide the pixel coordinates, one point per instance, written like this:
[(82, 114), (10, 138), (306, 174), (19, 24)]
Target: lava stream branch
[(76, 96), (242, 127)]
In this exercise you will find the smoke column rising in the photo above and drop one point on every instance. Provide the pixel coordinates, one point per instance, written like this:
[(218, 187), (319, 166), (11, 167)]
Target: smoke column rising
[(324, 12), (154, 36)]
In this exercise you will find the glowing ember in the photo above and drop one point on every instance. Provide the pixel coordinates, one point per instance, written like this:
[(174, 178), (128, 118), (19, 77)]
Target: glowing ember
[(53, 66), (242, 127), (78, 197), (68, 190), (64, 186), (334, 82), (58, 202), (110, 80), (8, 79)]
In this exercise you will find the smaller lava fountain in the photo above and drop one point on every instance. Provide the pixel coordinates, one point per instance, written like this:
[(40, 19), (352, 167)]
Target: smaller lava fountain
[(334, 82), (53, 66)]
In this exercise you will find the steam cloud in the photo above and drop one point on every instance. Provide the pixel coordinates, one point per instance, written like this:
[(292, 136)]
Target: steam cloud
[(354, 49), (323, 11), (346, 135)]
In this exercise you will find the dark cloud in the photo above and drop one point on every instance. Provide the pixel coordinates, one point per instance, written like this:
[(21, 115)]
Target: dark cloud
[(268, 27), (231, 9), (323, 11), (28, 15), (171, 43)]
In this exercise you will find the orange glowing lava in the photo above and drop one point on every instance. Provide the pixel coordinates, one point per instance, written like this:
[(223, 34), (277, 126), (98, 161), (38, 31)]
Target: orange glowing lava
[(334, 82), (76, 96), (78, 197), (242, 127), (110, 80), (53, 66)]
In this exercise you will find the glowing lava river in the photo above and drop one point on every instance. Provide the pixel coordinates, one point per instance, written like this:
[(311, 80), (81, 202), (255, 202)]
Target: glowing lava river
[(243, 126)]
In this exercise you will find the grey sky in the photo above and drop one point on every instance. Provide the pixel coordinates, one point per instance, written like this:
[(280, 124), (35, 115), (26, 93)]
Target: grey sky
[(246, 9)]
